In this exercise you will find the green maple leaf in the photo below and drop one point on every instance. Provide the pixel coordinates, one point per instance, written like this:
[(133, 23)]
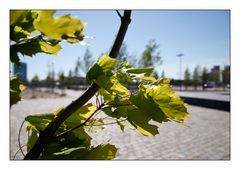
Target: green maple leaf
[(140, 121), (101, 74), (15, 90), (58, 28), (166, 100)]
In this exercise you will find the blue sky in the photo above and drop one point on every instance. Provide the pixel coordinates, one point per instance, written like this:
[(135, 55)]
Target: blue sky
[(201, 35)]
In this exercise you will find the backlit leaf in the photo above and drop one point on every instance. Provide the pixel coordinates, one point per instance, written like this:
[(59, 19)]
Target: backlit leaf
[(68, 151), (15, 90), (129, 73), (80, 115), (58, 111), (104, 66), (145, 71), (14, 58), (21, 25), (57, 150), (161, 97), (82, 135), (112, 85), (168, 101), (17, 16), (59, 28), (146, 78), (32, 139), (39, 121), (35, 46), (107, 63), (35, 31), (140, 121), (101, 152), (150, 108), (108, 98), (101, 74)]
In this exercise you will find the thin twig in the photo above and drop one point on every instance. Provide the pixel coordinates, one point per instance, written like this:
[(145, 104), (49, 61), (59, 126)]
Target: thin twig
[(84, 123), (94, 119), (107, 117), (97, 101), (18, 151), (119, 14), (110, 123), (19, 140), (78, 126), (122, 105), (28, 134), (101, 99)]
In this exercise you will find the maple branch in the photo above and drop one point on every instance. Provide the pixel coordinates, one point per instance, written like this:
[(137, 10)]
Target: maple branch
[(46, 135)]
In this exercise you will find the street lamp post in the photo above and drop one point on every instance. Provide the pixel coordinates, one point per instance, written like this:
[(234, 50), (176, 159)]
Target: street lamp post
[(52, 75), (180, 69)]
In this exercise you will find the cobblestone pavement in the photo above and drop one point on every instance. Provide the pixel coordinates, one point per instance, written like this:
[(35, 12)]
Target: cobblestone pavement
[(206, 136)]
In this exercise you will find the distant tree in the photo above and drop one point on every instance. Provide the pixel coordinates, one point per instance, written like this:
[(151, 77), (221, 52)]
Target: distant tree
[(70, 74), (163, 74), (155, 75), (77, 67), (50, 82), (132, 60), (50, 79), (226, 75), (61, 79), (68, 78), (150, 56), (205, 75), (195, 76), (35, 79), (216, 77), (187, 77), (87, 61), (123, 54), (34, 83)]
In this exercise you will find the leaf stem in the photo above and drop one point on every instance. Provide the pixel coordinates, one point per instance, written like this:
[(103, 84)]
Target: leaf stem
[(110, 123), (84, 124), (78, 126)]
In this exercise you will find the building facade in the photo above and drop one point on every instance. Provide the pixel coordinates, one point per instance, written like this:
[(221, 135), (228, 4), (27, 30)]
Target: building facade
[(21, 70)]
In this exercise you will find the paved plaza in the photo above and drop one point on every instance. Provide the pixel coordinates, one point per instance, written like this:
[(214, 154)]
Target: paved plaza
[(213, 95), (206, 135)]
